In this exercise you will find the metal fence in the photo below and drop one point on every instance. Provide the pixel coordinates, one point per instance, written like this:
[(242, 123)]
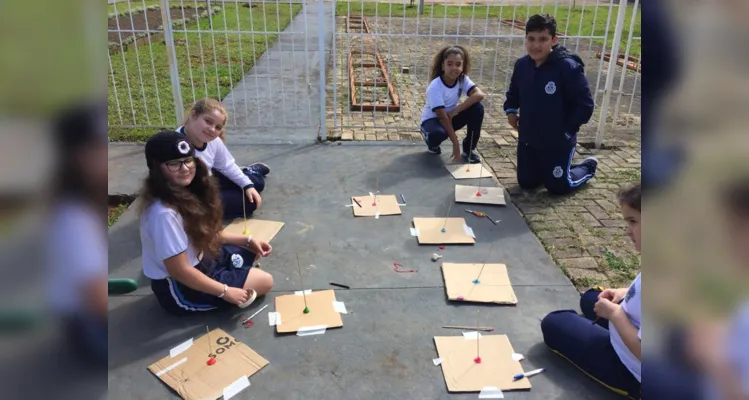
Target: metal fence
[(363, 64)]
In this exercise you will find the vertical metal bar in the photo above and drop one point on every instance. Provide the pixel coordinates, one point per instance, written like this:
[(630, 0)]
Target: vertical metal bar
[(610, 74), (321, 44), (634, 86), (361, 60), (187, 49), (281, 76), (114, 87), (267, 47), (228, 60), (166, 18), (137, 63), (124, 64), (626, 60), (153, 66), (241, 63), (603, 49), (306, 62), (457, 31), (567, 25), (254, 63), (387, 68), (215, 58), (347, 54), (496, 52), (293, 57), (483, 44), (335, 69), (580, 28), (200, 46), (510, 62)]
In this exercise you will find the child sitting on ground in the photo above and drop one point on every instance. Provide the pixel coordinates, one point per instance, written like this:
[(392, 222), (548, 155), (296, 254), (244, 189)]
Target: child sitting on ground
[(204, 124), (193, 265), (609, 349)]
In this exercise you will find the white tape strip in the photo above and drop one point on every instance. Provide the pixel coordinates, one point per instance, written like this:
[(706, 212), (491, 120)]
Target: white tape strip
[(171, 367), (414, 232), (472, 335), (377, 215), (339, 307), (236, 387), (274, 318), (299, 292), (402, 205), (469, 231), (517, 357), (491, 392), (181, 348), (371, 194), (437, 361), (311, 330)]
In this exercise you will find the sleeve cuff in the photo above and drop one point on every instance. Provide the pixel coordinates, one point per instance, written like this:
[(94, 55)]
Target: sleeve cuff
[(437, 108), (468, 92), (511, 111), (250, 185)]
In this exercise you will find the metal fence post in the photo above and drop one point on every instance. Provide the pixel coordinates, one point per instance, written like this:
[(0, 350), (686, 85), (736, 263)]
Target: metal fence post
[(421, 7), (611, 72), (323, 64), (179, 108)]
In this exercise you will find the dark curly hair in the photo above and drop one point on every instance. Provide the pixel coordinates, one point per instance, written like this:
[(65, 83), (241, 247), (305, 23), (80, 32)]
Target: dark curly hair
[(439, 58), (631, 195), (198, 203)]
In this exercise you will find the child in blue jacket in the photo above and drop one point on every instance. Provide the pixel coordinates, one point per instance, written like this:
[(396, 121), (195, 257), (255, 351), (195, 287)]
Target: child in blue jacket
[(550, 87)]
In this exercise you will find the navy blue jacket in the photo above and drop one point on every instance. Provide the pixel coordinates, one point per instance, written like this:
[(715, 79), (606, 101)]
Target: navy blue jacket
[(553, 100)]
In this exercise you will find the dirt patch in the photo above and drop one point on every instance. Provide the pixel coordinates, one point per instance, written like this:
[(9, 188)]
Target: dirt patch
[(148, 20)]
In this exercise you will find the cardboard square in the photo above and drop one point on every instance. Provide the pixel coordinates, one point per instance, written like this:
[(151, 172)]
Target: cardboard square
[(430, 231), (489, 195), (185, 369), (321, 311), (258, 228), (387, 204), (497, 368), (468, 171), (494, 285)]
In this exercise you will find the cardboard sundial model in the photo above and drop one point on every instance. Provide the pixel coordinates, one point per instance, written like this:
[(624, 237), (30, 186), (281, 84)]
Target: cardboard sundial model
[(323, 312), (258, 228), (481, 283), (375, 205), (430, 231), (186, 370), (468, 171), (496, 367), (480, 195)]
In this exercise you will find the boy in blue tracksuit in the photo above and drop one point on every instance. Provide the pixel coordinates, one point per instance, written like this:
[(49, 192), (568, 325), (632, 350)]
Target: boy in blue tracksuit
[(551, 89)]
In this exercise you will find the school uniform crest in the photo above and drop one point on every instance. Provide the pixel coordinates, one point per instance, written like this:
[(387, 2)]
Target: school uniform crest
[(558, 172), (551, 87)]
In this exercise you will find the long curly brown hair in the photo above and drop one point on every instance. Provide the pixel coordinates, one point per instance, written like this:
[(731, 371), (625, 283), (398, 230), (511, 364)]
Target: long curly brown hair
[(198, 204), (439, 58)]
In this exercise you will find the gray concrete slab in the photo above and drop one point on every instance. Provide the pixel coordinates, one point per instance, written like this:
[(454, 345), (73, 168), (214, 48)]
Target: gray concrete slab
[(283, 87), (385, 348)]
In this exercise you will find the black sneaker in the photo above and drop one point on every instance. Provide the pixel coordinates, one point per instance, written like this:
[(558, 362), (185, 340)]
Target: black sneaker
[(473, 157), (591, 163), (433, 150), (259, 168)]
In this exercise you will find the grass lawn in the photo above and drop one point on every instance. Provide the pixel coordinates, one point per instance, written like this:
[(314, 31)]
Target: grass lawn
[(568, 19), (208, 71)]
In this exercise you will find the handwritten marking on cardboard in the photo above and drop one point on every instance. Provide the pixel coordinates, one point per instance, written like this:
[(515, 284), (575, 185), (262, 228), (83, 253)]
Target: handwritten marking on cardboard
[(224, 343), (274, 318), (181, 348), (236, 387)]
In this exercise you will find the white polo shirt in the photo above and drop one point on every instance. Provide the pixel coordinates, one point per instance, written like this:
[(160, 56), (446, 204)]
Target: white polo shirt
[(162, 235), (632, 306), (439, 95)]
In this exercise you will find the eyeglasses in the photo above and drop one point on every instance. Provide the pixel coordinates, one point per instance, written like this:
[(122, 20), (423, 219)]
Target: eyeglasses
[(175, 166)]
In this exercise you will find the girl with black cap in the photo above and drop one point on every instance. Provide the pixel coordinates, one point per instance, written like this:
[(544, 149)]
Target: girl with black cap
[(193, 265)]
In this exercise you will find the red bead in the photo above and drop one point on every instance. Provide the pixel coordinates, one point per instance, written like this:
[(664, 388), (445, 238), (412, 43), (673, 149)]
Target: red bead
[(211, 361), (441, 247), (477, 360)]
